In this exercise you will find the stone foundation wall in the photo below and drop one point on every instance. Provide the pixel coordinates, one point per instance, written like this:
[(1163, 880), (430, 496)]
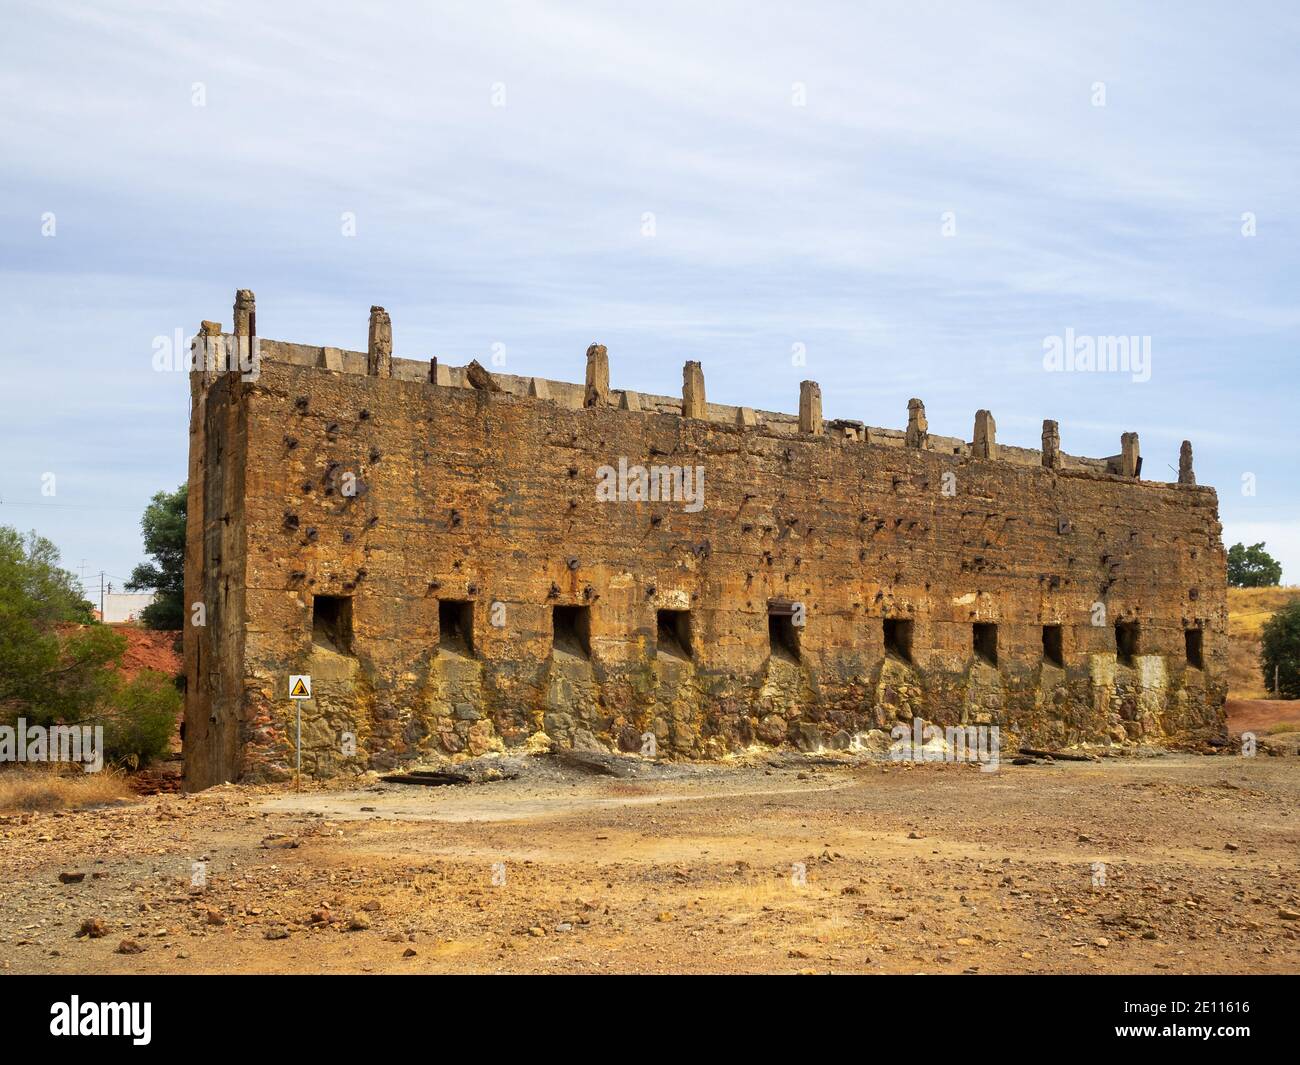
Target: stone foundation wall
[(394, 492)]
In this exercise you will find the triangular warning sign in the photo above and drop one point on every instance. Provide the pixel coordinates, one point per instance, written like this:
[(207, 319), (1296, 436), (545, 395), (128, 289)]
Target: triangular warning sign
[(299, 689)]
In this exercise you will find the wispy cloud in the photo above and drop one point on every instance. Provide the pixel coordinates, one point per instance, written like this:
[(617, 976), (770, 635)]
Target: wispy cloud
[(774, 223)]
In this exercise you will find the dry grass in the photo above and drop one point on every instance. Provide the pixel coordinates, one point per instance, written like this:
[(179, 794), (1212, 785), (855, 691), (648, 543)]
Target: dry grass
[(1245, 680), (1248, 609), (60, 788)]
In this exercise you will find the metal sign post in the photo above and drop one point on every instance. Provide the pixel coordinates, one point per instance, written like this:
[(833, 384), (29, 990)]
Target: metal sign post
[(299, 689)]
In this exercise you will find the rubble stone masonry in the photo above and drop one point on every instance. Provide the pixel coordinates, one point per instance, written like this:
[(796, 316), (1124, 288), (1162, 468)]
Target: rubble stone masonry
[(432, 545)]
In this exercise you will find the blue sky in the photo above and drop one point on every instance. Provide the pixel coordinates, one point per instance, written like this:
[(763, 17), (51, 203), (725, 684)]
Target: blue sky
[(1093, 165)]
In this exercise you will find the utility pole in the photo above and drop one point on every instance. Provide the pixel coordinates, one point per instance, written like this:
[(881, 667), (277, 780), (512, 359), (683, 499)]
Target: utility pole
[(102, 574)]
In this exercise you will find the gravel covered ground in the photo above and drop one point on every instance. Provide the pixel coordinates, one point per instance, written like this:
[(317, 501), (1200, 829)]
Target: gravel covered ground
[(1177, 863)]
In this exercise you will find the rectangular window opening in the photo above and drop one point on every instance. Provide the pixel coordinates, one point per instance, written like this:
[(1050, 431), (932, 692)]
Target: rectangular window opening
[(1195, 641), (985, 641), (782, 633), (331, 622), (456, 625), (898, 638), (1054, 645), (1126, 642), (674, 633), (571, 630)]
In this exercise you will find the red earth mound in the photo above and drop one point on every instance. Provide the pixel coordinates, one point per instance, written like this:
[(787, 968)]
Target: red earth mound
[(1260, 715), (149, 649)]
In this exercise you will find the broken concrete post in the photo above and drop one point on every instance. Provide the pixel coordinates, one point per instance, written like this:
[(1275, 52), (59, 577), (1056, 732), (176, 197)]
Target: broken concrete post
[(1130, 456), (693, 403), (985, 443), (207, 354), (245, 329), (1185, 473), (379, 353), (597, 377), (1051, 444), (810, 408), (479, 378), (245, 313), (917, 427)]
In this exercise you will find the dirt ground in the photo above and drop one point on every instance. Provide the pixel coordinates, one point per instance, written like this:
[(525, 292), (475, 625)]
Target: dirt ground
[(1263, 716), (784, 864)]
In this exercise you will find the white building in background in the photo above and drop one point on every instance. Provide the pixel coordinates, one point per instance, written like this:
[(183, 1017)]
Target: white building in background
[(123, 606)]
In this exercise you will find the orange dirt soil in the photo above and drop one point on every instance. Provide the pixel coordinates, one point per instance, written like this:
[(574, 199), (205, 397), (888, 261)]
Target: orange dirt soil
[(921, 868), (149, 649), (785, 864), (1261, 715)]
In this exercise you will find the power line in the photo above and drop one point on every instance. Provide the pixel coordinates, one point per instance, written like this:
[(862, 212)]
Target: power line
[(66, 506)]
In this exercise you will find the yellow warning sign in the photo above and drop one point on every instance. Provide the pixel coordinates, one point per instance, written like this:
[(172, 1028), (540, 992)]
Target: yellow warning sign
[(300, 686)]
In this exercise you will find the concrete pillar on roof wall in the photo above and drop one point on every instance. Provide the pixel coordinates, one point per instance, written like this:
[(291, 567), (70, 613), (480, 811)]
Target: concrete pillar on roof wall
[(693, 402), (1130, 456), (379, 351), (245, 313), (1186, 475), (918, 429), (1051, 444), (245, 330), (209, 354), (810, 408), (597, 394), (985, 443)]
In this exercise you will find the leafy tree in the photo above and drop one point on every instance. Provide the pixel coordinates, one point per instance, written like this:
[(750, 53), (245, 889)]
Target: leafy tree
[(59, 666), (30, 567), (1252, 567), (53, 659), (163, 526), (1280, 651)]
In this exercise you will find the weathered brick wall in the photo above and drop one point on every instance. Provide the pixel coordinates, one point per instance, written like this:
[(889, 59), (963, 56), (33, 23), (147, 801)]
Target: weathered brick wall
[(490, 497)]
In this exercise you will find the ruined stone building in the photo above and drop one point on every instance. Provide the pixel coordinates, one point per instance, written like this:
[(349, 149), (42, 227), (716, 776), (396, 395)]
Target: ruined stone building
[(464, 559)]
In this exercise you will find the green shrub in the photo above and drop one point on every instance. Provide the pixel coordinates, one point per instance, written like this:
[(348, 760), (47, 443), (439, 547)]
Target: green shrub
[(140, 720)]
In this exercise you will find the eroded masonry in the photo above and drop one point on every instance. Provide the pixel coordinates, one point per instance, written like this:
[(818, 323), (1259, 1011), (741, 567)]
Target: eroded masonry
[(463, 560)]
